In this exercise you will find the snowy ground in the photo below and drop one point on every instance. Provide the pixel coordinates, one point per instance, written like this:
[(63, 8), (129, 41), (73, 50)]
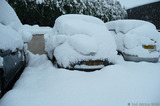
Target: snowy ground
[(41, 84)]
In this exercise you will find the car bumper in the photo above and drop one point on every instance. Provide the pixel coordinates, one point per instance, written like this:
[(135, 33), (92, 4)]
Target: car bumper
[(135, 58), (90, 67)]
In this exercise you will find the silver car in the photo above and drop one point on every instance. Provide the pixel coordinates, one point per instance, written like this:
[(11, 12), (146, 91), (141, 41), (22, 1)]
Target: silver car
[(136, 40)]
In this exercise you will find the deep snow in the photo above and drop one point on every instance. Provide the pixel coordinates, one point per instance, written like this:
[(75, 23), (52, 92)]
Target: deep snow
[(41, 84)]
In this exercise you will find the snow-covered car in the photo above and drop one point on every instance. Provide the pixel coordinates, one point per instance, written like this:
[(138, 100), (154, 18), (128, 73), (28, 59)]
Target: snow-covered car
[(13, 50), (79, 42), (136, 40), (12, 57)]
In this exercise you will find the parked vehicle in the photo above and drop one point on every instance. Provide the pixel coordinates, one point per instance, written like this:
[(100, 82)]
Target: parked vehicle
[(136, 40), (78, 42), (12, 57), (13, 65), (13, 50)]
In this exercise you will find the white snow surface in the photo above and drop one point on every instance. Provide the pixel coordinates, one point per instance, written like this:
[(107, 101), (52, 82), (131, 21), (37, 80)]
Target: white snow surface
[(9, 38), (131, 35), (80, 37), (41, 84), (36, 29), (9, 18)]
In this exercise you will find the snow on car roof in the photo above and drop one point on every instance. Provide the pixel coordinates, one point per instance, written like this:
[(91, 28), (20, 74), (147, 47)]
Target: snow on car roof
[(138, 27), (8, 15), (125, 25), (77, 24), (10, 39)]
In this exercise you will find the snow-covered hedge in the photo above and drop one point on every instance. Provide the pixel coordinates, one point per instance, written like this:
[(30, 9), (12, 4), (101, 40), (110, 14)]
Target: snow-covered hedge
[(80, 37), (45, 12)]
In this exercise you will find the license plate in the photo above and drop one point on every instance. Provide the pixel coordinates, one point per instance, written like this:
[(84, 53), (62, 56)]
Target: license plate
[(148, 47), (94, 63)]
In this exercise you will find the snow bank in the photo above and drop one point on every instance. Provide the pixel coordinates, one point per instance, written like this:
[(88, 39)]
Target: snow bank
[(9, 38), (131, 35), (80, 37), (41, 84)]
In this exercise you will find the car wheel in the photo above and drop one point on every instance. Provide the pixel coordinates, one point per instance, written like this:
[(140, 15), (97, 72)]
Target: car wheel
[(120, 54)]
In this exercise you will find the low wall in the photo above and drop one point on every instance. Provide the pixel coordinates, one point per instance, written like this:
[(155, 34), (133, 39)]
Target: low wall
[(37, 44)]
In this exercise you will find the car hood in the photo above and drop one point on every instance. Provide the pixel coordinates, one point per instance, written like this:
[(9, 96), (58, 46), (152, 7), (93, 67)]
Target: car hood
[(83, 44)]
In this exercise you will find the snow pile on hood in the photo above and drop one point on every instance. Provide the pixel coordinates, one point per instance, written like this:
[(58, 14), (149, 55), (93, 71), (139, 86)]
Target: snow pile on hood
[(130, 35), (9, 38), (8, 17), (80, 37)]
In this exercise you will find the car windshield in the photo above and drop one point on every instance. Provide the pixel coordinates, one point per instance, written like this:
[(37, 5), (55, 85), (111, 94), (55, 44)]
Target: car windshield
[(5, 52)]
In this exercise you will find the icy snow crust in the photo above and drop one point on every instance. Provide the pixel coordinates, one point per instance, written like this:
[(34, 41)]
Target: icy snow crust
[(130, 35), (80, 37)]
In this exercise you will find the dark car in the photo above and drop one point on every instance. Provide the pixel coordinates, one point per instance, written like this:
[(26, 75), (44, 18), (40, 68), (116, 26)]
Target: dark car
[(13, 65)]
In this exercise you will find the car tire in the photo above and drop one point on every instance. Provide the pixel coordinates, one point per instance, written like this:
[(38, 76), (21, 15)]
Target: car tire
[(120, 54)]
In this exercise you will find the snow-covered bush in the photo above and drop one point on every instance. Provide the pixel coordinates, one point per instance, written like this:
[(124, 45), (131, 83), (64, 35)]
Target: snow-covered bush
[(77, 38), (131, 35)]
